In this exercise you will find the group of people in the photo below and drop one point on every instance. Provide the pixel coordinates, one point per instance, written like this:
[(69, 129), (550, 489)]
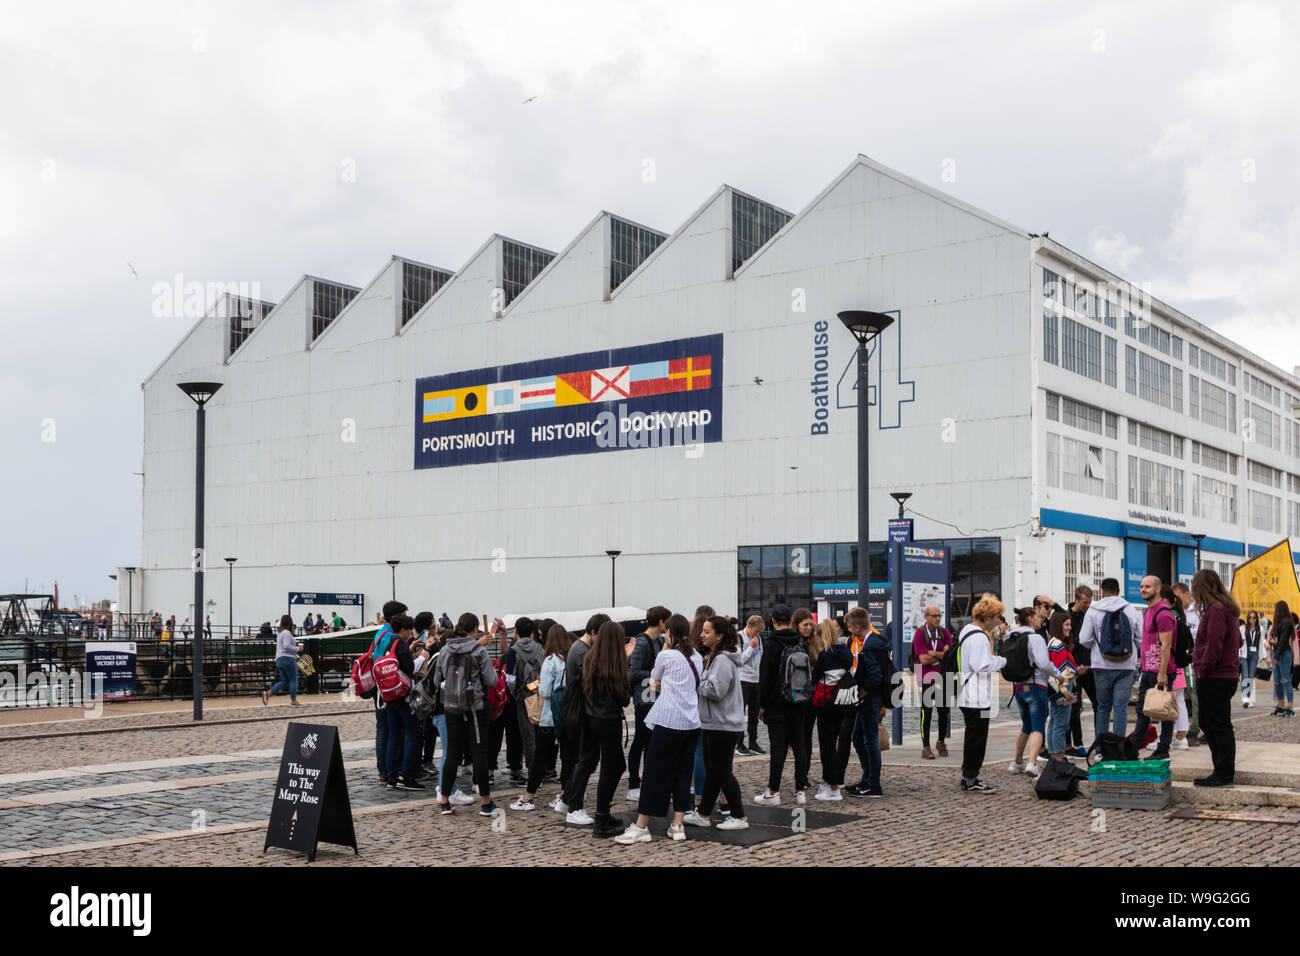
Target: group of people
[(697, 688), (318, 625)]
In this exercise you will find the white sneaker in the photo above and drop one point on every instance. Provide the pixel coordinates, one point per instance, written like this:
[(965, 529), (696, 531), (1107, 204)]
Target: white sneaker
[(731, 823), (767, 799), (830, 795), (822, 791), (1016, 767), (522, 803), (1179, 744), (461, 799), (694, 819), (799, 798), (555, 805), (1033, 770), (633, 834), (1154, 744), (678, 833), (559, 806), (633, 796), (579, 817)]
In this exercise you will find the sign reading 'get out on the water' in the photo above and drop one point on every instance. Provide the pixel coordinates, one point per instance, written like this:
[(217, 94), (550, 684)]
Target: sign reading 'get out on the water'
[(669, 393)]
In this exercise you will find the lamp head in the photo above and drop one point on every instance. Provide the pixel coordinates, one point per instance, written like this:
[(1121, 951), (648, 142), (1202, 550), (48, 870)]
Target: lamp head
[(231, 560), (865, 326), (613, 554), (199, 392), (393, 563)]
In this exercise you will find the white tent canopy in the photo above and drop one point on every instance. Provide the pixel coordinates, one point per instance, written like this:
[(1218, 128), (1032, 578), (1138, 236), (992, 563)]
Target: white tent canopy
[(577, 620)]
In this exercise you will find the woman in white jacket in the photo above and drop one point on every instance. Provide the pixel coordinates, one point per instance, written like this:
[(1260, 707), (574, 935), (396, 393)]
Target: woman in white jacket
[(977, 668)]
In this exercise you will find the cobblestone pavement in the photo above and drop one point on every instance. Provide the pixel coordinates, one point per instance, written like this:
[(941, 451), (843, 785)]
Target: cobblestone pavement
[(200, 794)]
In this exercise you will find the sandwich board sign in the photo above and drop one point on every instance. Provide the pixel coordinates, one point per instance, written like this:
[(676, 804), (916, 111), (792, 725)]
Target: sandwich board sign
[(311, 803)]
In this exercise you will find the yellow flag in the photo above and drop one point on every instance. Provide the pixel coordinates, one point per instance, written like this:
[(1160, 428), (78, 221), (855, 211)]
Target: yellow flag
[(1266, 579)]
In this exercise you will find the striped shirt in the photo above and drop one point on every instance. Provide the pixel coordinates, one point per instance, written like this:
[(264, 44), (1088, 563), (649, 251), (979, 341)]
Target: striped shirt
[(678, 705)]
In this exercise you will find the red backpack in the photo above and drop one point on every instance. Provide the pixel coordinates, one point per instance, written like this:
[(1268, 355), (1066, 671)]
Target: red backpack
[(496, 696), (392, 682), (363, 678)]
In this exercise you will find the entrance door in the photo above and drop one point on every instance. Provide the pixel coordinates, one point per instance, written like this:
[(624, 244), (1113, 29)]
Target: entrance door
[(1160, 562)]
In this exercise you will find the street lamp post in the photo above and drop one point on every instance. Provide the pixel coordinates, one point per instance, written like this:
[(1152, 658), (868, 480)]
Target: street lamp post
[(613, 556), (1197, 538), (200, 393), (393, 563), (900, 497), (130, 598), (230, 562), (745, 563), (866, 327)]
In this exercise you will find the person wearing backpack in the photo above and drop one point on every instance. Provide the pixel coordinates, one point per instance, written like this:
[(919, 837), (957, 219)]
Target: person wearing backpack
[(575, 723), (648, 645), (977, 667), (872, 679), (722, 724), (670, 756), (1215, 661), (1111, 632), (403, 729), (527, 663), (1061, 697), (550, 681), (378, 648), (463, 675), (606, 691), (835, 696), (1028, 669), (784, 683), (930, 642), (1159, 630)]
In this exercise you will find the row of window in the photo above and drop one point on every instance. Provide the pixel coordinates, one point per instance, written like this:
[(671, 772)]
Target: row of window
[(328, 299), (1211, 404), (753, 223), (1211, 364), (1261, 389), (1155, 439), (1067, 411), (629, 246)]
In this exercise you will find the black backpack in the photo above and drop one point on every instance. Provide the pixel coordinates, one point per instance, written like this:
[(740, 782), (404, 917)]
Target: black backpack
[(949, 663), (642, 697), (573, 699), (1110, 746), (1059, 780), (1183, 644), (1015, 648), (891, 679)]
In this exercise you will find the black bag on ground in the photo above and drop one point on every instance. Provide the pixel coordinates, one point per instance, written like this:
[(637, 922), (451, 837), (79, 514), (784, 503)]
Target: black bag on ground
[(1113, 747), (1059, 780)]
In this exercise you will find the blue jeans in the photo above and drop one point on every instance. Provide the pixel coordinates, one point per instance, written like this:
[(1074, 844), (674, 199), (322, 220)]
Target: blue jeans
[(1248, 665), (403, 739), (1282, 677), (287, 668), (867, 726), (697, 777), (440, 721), (1113, 690), (1032, 701), (1058, 725)]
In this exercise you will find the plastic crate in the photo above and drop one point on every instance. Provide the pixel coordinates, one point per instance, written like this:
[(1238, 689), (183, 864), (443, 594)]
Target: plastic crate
[(1122, 797), (1121, 770)]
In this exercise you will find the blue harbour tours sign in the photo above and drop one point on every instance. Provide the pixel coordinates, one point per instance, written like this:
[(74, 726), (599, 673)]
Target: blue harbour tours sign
[(669, 393)]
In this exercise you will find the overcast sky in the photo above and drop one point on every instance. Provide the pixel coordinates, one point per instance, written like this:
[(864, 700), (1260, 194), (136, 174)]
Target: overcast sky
[(253, 142)]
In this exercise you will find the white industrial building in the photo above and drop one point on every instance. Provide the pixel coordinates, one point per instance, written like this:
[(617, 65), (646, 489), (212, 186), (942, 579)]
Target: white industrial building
[(1053, 426)]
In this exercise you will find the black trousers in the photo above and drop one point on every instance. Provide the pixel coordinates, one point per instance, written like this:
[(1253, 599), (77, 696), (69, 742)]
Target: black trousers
[(719, 751), (466, 735), (640, 741), (835, 736), (544, 747), (1216, 722), (749, 692), (507, 726), (974, 742), (785, 730), (602, 742), (430, 739), (1088, 685), (927, 714), (669, 761)]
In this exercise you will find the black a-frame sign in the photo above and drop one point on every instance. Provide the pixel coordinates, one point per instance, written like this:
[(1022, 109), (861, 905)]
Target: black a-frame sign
[(311, 803)]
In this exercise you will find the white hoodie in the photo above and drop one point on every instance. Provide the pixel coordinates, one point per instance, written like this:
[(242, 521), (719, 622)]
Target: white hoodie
[(1090, 630), (978, 668)]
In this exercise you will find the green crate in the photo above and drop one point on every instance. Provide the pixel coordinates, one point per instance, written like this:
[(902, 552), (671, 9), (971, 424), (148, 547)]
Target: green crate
[(1129, 769)]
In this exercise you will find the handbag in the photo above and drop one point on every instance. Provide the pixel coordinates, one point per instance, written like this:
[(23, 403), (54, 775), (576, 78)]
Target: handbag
[(534, 703), (1160, 705), (1059, 780), (882, 734)]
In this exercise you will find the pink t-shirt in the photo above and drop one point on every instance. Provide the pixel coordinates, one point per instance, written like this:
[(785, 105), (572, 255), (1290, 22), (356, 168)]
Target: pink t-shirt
[(1156, 619)]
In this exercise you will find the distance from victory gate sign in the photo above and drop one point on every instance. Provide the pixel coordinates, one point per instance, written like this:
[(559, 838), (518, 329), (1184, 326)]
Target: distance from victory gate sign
[(647, 396)]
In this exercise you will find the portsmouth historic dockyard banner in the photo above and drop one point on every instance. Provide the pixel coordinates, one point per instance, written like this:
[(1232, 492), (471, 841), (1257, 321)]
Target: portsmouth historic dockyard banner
[(669, 393)]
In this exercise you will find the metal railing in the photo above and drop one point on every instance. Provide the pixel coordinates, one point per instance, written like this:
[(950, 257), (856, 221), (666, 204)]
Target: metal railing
[(231, 668)]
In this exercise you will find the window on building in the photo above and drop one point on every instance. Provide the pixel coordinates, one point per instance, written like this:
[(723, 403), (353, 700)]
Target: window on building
[(1211, 457), (1152, 484), (1155, 439), (1050, 344), (1053, 406), (245, 315), (629, 246), (1265, 512), (1084, 564), (1211, 404), (1263, 475), (1079, 467), (1214, 499), (753, 223), (1130, 369), (419, 284), (328, 300), (1111, 346), (1262, 426), (1081, 349), (521, 265)]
